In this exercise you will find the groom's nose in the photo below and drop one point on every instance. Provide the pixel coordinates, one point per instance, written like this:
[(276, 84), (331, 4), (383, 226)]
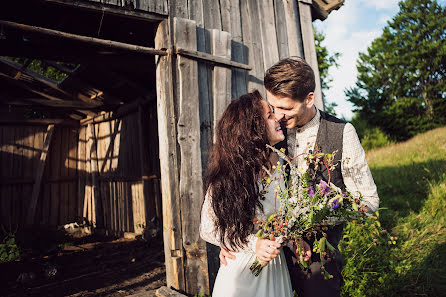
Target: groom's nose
[(278, 115)]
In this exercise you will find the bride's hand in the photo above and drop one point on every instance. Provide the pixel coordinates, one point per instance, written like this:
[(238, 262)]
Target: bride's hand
[(266, 250)]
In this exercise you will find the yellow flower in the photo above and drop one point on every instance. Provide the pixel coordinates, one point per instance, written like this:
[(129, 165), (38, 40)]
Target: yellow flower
[(268, 180)]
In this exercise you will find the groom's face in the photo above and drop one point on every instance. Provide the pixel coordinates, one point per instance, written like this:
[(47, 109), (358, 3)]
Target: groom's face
[(291, 113)]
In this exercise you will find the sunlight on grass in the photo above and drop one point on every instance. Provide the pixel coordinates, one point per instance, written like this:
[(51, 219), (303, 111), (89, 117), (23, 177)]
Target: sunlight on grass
[(411, 181)]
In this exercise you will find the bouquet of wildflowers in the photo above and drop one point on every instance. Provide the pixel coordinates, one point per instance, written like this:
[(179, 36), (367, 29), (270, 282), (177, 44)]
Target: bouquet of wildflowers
[(308, 207)]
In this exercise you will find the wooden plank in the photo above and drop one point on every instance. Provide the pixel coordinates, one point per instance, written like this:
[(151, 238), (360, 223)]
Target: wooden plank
[(168, 160), (96, 193), (148, 16), (281, 31), (86, 40), (239, 76), (72, 172), (81, 172), (144, 161), (178, 8), (39, 173), (212, 14), (196, 12), (210, 58), (64, 172), (191, 186), (310, 49), (28, 169), (17, 202), (56, 166), (254, 52), (294, 33), (221, 80), (39, 122), (268, 33)]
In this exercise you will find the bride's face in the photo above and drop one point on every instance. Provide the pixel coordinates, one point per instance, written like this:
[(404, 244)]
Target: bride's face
[(273, 130)]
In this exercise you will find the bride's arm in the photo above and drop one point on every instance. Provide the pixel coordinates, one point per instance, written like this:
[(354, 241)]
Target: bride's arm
[(207, 227)]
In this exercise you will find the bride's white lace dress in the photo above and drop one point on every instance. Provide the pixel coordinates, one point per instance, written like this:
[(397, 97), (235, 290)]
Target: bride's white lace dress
[(235, 279)]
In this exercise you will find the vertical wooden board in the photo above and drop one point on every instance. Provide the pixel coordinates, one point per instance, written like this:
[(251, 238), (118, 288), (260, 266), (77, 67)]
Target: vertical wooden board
[(168, 156), (116, 144), (36, 190), (239, 76), (221, 80), (196, 12), (294, 32), (7, 191), (64, 194), (212, 14), (268, 34), (4, 171), (310, 49), (87, 199), (18, 196), (191, 192), (252, 40), (281, 31), (96, 190), (178, 8), (81, 172), (121, 208), (72, 173), (225, 14), (29, 170), (56, 164)]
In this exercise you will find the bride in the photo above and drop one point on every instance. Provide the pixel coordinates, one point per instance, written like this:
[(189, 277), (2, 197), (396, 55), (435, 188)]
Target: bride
[(235, 196)]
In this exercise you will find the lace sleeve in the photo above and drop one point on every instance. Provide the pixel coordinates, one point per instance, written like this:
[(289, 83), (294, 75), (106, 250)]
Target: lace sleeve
[(207, 227), (207, 224)]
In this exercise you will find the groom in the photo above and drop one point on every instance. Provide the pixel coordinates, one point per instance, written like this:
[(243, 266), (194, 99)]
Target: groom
[(290, 88)]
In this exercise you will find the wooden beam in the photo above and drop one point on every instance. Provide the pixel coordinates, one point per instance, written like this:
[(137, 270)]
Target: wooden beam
[(152, 16), (39, 174), (39, 122), (42, 79), (210, 58), (51, 103), (143, 50)]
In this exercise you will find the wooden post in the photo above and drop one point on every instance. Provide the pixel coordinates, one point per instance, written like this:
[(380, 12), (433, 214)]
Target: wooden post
[(39, 173), (96, 195), (172, 231), (191, 185), (310, 48)]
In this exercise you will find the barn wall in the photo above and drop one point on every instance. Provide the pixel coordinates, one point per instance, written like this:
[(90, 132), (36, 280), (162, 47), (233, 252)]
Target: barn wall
[(126, 173)]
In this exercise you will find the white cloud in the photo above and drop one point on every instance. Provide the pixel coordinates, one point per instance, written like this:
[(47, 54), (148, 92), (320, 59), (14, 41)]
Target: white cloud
[(380, 4)]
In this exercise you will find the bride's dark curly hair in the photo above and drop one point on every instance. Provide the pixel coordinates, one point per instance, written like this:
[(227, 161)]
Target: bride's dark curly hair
[(234, 167)]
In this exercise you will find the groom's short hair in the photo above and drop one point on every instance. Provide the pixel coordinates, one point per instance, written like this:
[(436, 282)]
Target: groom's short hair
[(291, 77)]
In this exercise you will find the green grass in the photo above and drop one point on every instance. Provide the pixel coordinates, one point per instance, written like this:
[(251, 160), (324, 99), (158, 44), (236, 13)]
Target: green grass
[(411, 181)]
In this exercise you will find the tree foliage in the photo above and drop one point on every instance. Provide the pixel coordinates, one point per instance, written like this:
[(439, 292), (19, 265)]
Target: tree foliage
[(401, 84), (325, 60)]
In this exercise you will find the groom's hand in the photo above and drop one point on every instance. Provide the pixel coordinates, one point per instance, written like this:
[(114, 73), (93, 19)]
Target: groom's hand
[(266, 250), (224, 253)]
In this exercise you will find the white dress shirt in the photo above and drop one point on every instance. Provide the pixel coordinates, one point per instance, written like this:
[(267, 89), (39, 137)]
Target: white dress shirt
[(355, 170)]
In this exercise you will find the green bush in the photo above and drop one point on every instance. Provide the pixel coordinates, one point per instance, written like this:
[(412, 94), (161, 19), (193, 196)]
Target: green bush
[(9, 250)]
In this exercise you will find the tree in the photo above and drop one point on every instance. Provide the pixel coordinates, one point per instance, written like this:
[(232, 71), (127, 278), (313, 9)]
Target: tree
[(401, 85), (325, 60)]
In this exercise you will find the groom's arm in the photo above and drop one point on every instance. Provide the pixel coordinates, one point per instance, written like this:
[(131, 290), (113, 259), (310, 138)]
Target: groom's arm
[(355, 170)]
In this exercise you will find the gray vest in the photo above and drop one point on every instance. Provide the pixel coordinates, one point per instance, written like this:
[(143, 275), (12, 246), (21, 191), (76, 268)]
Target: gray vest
[(329, 139)]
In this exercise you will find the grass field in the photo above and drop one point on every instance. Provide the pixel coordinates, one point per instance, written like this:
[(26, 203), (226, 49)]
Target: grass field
[(411, 181)]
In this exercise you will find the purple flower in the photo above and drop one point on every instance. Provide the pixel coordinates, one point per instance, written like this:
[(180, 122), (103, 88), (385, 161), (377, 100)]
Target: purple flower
[(344, 194), (310, 191), (325, 189), (335, 203)]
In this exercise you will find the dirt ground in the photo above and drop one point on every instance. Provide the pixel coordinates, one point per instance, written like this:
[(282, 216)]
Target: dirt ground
[(118, 267)]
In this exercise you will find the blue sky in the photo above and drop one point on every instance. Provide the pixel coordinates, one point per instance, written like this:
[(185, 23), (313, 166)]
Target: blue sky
[(350, 30)]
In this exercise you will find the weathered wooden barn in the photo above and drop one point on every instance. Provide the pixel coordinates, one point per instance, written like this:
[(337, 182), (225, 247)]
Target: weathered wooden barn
[(108, 109)]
